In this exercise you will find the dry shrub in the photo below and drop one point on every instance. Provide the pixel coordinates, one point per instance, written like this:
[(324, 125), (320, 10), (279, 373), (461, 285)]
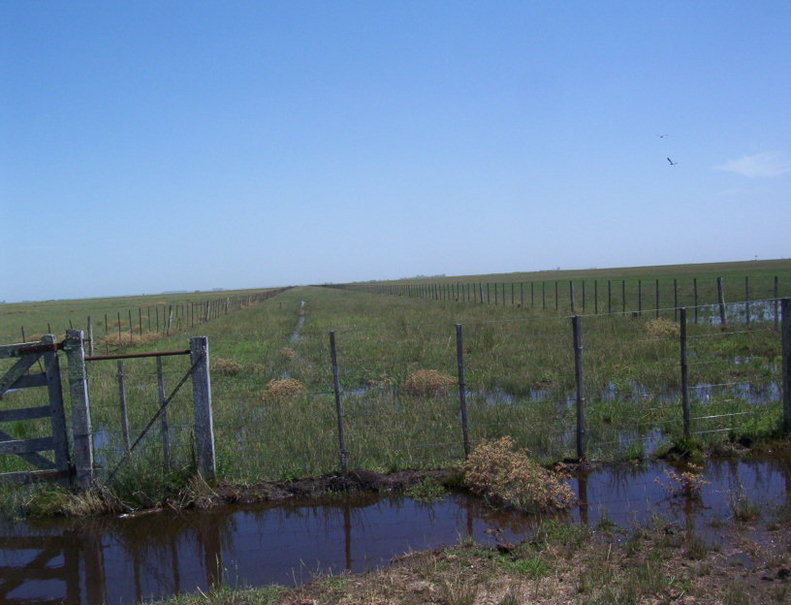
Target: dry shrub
[(687, 484), (507, 475), (662, 328), (287, 353), (428, 383), (284, 389), (226, 367), (125, 339)]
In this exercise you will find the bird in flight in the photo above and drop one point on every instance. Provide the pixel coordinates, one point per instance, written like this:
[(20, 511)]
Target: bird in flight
[(662, 136), (672, 163)]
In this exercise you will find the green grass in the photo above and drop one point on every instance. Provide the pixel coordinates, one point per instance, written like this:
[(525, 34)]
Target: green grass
[(519, 377)]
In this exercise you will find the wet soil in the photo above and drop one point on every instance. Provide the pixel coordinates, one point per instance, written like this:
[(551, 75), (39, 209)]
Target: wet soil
[(359, 481)]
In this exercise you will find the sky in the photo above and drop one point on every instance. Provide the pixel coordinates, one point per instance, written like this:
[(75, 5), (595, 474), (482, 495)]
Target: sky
[(151, 146)]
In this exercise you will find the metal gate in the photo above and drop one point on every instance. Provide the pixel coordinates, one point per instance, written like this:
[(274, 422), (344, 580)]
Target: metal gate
[(19, 376)]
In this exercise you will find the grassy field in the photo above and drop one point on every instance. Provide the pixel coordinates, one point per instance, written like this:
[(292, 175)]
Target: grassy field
[(520, 381)]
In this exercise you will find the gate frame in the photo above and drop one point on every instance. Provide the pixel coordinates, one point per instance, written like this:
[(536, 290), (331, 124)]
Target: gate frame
[(18, 378)]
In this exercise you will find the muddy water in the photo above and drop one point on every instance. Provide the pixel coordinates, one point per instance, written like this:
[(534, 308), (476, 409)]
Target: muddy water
[(124, 560)]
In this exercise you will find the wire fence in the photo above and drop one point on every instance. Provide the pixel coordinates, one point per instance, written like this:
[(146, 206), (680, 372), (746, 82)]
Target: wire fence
[(400, 403)]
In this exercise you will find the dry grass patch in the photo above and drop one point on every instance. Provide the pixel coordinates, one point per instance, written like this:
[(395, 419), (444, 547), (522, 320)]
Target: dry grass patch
[(662, 328), (125, 339), (428, 383), (284, 389), (287, 353), (226, 367), (507, 475)]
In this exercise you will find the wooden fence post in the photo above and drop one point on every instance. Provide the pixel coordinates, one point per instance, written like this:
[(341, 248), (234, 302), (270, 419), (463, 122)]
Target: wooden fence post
[(785, 305), (571, 296), (80, 409), (721, 300), (695, 297), (595, 296), (747, 300), (201, 397), (576, 327), (775, 294), (465, 430), (557, 302), (656, 299), (684, 371), (639, 297), (90, 336), (623, 296), (336, 385), (675, 299), (609, 297)]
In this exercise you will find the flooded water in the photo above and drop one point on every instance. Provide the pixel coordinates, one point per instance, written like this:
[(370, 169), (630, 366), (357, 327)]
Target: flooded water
[(127, 559)]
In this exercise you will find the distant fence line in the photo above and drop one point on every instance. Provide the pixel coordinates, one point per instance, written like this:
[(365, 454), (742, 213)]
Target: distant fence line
[(131, 325), (597, 296)]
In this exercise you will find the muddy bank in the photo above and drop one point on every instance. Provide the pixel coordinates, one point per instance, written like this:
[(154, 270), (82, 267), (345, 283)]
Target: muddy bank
[(359, 481)]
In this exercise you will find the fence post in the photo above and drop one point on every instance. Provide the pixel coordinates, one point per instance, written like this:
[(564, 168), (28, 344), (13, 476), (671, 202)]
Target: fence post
[(465, 429), (675, 299), (775, 294), (721, 300), (596, 296), (576, 327), (122, 399), (90, 336), (164, 431), (609, 297), (80, 409), (684, 371), (747, 300), (639, 297), (336, 385), (201, 397), (695, 297), (785, 305), (571, 296), (656, 299)]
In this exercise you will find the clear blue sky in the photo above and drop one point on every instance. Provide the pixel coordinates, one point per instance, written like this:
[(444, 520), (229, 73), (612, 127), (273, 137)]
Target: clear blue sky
[(150, 146)]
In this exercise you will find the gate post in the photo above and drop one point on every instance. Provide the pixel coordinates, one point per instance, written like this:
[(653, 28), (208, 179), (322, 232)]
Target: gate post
[(80, 409), (201, 396)]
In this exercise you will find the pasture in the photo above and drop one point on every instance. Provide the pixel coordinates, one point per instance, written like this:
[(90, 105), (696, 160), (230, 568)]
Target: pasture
[(519, 367)]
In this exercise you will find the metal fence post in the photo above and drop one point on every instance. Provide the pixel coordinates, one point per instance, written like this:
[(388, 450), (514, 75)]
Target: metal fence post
[(336, 384), (80, 409), (465, 429), (576, 326), (201, 397)]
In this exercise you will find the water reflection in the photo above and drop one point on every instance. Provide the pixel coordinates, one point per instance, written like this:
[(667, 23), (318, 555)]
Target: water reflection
[(125, 560)]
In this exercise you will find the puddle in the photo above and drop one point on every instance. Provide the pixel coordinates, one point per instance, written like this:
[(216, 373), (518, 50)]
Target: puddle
[(125, 560), (297, 333), (737, 312)]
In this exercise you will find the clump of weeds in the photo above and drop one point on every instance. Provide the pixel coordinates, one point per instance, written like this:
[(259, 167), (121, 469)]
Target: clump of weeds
[(661, 328), (428, 383), (427, 490), (684, 484), (226, 367), (284, 389), (501, 473)]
